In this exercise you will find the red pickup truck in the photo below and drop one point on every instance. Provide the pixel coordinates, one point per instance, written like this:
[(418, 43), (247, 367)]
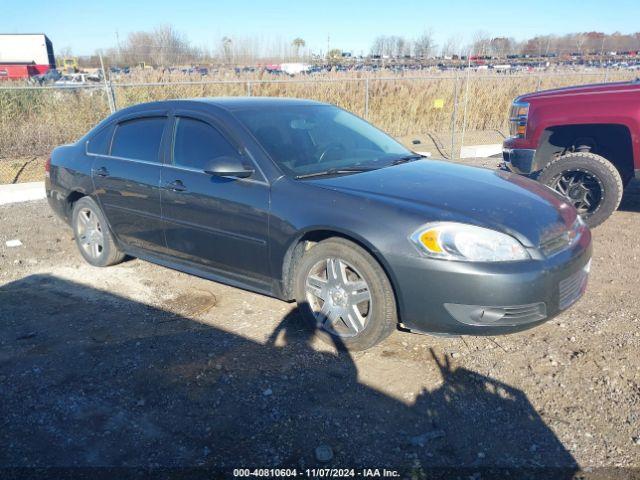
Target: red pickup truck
[(583, 142)]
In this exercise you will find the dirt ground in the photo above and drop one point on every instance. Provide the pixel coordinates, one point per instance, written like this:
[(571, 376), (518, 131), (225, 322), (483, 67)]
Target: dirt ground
[(137, 365)]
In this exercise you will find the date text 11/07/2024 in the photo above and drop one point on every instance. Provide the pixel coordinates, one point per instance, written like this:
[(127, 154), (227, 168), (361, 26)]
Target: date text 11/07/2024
[(316, 472)]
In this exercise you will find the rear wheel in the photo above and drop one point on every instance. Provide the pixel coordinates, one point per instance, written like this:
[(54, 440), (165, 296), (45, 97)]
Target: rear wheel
[(590, 183), (345, 295), (92, 234)]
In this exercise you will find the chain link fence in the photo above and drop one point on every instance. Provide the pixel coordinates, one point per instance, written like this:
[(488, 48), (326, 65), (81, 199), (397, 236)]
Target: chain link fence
[(438, 114)]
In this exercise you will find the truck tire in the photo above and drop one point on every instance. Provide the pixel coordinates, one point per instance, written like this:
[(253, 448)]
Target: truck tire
[(591, 183), (345, 295)]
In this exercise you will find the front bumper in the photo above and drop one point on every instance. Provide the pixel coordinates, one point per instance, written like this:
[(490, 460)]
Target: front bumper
[(460, 298), (520, 160)]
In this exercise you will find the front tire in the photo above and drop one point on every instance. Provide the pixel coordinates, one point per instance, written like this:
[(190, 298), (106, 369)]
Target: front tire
[(93, 237), (345, 295), (591, 183)]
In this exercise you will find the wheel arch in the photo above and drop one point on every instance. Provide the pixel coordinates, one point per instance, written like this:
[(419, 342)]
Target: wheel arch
[(612, 141), (312, 235), (71, 199)]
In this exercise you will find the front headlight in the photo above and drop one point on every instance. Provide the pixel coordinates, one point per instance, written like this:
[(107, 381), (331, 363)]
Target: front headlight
[(518, 117), (459, 241)]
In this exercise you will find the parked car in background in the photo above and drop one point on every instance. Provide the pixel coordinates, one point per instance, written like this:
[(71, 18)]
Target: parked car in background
[(583, 142), (78, 79), (51, 76), (305, 201)]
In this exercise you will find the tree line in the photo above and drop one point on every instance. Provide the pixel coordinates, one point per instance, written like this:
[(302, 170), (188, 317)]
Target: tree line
[(484, 44), (165, 46)]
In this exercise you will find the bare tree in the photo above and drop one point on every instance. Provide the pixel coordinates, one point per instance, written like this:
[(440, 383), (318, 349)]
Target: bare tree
[(297, 44), (162, 46), (579, 40), (390, 46), (451, 46), (424, 45), (480, 43), (377, 47), (226, 49), (501, 46)]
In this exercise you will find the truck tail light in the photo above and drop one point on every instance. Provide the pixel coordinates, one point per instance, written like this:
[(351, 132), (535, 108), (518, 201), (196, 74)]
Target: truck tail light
[(47, 167), (518, 116)]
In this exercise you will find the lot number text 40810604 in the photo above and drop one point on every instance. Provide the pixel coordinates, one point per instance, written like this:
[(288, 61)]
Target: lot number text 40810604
[(316, 472)]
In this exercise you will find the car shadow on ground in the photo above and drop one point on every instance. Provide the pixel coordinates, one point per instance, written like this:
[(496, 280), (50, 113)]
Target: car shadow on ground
[(90, 379)]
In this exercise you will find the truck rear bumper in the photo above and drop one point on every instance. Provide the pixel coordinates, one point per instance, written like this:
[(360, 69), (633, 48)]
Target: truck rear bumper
[(520, 160)]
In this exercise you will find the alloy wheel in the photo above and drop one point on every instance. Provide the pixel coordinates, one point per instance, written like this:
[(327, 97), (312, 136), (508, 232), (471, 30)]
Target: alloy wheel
[(89, 231), (339, 297), (583, 189)]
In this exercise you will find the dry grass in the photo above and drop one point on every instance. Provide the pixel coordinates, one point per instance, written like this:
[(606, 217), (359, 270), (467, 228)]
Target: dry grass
[(34, 121)]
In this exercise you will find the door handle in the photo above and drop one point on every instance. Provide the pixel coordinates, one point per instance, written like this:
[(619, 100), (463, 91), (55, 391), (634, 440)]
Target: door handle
[(176, 186), (101, 172)]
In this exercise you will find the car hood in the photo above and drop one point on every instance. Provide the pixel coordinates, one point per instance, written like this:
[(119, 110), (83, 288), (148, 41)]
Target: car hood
[(604, 88), (446, 191)]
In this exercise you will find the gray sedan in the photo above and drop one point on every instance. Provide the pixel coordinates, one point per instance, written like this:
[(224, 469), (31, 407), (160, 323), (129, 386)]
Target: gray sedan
[(307, 202)]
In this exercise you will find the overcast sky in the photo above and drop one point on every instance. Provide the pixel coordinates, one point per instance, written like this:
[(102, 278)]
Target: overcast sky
[(87, 25)]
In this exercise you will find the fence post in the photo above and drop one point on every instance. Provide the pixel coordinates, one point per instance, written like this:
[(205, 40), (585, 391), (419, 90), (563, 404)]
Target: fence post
[(452, 156), (606, 75), (466, 102), (107, 90), (538, 84), (248, 89), (366, 98), (113, 96)]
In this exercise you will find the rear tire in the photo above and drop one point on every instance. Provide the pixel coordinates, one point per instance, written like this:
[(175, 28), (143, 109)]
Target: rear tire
[(92, 234), (345, 295), (597, 187)]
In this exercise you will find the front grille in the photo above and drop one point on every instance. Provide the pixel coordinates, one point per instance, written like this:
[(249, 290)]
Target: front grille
[(572, 287)]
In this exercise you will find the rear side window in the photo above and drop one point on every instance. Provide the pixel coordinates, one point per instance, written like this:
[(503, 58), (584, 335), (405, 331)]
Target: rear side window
[(196, 143), (100, 142), (138, 139)]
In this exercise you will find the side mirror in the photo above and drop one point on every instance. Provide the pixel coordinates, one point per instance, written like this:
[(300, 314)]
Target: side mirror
[(228, 166)]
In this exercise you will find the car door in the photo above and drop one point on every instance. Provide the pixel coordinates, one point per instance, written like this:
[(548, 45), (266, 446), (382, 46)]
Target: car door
[(219, 223), (127, 181)]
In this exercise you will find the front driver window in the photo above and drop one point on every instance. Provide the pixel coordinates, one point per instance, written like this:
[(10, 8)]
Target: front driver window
[(196, 143)]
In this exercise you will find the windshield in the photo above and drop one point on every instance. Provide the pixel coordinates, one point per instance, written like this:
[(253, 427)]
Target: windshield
[(308, 139)]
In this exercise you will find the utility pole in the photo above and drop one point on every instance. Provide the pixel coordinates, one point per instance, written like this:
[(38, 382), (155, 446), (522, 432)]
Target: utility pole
[(548, 42), (119, 50)]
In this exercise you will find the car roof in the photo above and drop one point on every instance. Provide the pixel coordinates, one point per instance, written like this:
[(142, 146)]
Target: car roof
[(232, 103), (224, 103), (221, 103)]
